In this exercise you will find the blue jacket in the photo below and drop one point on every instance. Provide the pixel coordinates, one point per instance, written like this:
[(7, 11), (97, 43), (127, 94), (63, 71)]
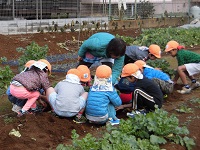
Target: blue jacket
[(96, 45), (153, 73), (97, 102)]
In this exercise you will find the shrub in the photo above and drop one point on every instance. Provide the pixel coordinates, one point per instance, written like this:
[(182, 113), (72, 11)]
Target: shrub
[(6, 75)]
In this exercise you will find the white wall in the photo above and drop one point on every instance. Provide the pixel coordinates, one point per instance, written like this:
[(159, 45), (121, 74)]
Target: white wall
[(31, 26), (175, 7), (127, 1)]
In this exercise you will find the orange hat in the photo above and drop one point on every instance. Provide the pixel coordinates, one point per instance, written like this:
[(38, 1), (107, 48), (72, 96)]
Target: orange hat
[(29, 63), (85, 73), (47, 63), (155, 50), (131, 69), (171, 45), (103, 71), (140, 63), (75, 72)]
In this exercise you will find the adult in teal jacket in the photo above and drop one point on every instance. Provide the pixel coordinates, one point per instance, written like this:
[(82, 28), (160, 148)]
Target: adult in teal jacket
[(105, 48)]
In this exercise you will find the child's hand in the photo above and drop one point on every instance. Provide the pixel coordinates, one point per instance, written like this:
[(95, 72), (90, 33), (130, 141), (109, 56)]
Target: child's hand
[(79, 58), (158, 68), (119, 107), (175, 82)]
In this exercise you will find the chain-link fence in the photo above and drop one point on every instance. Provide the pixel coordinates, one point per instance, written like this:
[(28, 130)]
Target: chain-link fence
[(56, 9), (32, 15)]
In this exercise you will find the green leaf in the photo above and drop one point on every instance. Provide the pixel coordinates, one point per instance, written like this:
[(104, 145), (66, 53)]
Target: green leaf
[(189, 142), (157, 140)]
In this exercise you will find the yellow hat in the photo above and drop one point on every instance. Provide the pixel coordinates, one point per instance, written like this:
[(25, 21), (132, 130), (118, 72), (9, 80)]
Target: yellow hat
[(29, 63), (171, 45), (131, 69), (140, 63), (47, 63), (74, 72), (85, 73), (155, 50), (103, 71)]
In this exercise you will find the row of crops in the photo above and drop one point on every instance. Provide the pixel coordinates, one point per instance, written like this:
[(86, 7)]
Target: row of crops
[(142, 132), (156, 128)]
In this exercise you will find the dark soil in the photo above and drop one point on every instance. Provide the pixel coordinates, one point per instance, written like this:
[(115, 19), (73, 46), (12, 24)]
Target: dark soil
[(46, 131)]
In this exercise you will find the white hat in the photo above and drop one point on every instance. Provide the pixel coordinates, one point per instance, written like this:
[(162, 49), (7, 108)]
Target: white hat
[(39, 64)]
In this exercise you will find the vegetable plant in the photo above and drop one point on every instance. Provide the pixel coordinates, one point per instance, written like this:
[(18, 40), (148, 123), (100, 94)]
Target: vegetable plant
[(141, 132), (31, 52), (160, 36), (163, 65), (6, 75)]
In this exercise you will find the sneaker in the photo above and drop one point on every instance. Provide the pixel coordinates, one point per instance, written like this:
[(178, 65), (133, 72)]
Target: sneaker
[(131, 115), (184, 90), (21, 113), (141, 111), (16, 108), (195, 85), (80, 119), (114, 122), (36, 110)]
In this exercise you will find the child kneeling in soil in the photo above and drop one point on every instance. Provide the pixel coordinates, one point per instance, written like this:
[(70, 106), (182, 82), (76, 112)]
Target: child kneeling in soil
[(18, 103), (68, 98), (188, 65), (146, 93), (158, 76), (27, 84), (102, 98)]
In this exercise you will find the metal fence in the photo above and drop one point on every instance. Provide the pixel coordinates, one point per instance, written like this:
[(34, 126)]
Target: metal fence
[(26, 16), (56, 9)]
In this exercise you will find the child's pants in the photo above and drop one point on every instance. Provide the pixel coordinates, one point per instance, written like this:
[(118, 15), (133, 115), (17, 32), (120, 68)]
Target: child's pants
[(165, 86), (22, 93), (142, 100), (111, 111)]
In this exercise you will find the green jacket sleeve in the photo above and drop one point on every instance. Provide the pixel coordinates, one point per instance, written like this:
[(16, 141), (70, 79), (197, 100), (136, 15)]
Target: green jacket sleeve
[(117, 68)]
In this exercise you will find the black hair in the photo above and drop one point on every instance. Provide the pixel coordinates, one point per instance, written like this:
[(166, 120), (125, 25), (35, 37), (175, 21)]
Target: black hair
[(38, 69), (116, 47)]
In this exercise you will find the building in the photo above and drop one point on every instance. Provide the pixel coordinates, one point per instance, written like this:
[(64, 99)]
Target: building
[(51, 9)]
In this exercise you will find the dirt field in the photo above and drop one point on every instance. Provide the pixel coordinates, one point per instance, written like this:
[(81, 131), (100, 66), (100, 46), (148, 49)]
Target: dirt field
[(45, 131)]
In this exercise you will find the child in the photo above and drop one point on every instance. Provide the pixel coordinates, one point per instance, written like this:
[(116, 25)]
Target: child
[(105, 48), (134, 53), (146, 94), (188, 65), (18, 103), (102, 98), (26, 85), (159, 77), (68, 98)]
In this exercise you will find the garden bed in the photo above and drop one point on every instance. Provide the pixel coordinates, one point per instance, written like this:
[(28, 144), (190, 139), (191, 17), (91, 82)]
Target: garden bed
[(45, 131)]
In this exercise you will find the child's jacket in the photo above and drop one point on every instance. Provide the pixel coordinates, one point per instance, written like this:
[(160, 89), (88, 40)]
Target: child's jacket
[(137, 52), (151, 73), (33, 80), (97, 102), (68, 96), (186, 57)]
